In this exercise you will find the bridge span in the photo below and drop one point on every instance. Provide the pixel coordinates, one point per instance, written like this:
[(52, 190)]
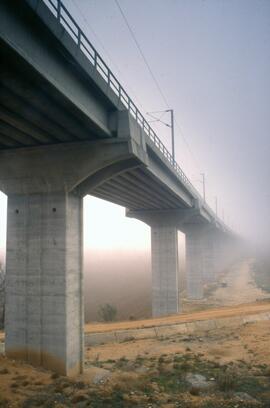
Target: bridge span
[(68, 129)]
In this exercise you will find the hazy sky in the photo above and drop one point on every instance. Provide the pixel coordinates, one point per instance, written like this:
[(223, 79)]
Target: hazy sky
[(212, 61)]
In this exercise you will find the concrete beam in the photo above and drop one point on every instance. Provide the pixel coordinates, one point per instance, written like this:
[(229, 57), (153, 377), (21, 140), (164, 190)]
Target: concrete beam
[(176, 218), (67, 166)]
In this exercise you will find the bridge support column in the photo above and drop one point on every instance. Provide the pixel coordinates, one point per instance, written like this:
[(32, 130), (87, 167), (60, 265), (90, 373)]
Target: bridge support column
[(164, 249), (209, 256), (220, 255), (44, 302), (194, 261)]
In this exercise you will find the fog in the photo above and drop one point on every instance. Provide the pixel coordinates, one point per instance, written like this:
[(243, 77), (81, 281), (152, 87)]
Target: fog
[(122, 279)]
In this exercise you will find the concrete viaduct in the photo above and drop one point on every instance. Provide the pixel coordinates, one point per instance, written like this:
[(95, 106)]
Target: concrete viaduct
[(67, 129)]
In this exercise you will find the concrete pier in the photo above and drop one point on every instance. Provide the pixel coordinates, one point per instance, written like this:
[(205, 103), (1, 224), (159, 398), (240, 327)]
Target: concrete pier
[(209, 256), (164, 249), (44, 302), (194, 261)]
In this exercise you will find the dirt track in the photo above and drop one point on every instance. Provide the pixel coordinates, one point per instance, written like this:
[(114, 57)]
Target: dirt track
[(240, 286), (239, 310)]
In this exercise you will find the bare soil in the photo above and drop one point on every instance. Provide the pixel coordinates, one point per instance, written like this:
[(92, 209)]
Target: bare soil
[(154, 373), (238, 286), (234, 364)]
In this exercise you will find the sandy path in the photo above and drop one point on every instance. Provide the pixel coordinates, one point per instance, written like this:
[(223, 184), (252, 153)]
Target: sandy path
[(181, 318), (241, 287)]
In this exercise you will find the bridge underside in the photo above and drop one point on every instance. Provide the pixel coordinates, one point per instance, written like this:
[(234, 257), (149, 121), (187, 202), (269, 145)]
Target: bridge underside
[(137, 189), (33, 112)]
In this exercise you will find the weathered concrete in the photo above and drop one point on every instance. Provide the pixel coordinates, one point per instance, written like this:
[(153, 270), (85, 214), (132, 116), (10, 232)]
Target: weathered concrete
[(164, 250), (44, 301)]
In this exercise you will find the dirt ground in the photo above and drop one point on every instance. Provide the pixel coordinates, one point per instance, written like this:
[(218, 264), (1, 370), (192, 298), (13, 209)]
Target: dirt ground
[(240, 286), (153, 373), (234, 286), (250, 343), (221, 368)]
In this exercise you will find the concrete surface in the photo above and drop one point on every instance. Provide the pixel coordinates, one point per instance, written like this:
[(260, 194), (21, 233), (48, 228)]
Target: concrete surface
[(44, 302), (194, 262), (164, 250)]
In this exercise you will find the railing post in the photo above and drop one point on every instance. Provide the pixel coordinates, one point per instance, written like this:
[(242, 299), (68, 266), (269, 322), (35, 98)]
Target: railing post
[(79, 38), (58, 10), (120, 92)]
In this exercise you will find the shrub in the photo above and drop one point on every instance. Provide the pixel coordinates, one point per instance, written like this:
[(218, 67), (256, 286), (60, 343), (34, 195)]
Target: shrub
[(107, 313), (227, 381)]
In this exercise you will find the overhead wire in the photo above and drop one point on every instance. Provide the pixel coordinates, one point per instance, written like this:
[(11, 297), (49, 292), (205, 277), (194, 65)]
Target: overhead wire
[(104, 49), (155, 79), (141, 52)]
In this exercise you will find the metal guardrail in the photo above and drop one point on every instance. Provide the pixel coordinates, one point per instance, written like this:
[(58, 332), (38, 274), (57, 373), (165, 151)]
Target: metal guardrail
[(67, 21)]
